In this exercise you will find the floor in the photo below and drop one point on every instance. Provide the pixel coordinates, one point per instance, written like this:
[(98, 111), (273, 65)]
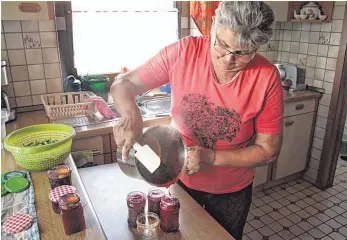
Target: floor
[(298, 210)]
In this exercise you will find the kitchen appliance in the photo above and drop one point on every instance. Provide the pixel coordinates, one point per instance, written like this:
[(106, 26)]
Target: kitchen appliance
[(5, 103), (289, 77)]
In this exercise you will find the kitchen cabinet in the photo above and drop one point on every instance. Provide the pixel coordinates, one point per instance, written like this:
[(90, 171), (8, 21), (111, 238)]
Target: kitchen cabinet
[(18, 10), (280, 9)]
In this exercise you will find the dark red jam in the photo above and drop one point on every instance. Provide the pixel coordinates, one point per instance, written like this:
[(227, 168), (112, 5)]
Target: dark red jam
[(60, 175), (136, 202), (55, 207), (169, 213), (154, 197), (72, 213)]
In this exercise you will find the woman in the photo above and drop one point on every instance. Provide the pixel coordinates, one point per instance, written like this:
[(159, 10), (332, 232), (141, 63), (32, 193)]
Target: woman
[(223, 95)]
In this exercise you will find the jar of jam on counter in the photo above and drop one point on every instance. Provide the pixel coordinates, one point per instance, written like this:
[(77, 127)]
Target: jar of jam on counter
[(136, 202), (72, 213), (154, 197), (60, 175), (56, 193), (169, 213)]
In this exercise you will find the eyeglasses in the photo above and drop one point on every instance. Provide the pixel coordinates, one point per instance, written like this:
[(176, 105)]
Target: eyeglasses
[(238, 55)]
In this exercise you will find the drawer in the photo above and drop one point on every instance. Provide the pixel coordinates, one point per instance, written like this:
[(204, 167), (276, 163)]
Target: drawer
[(299, 107), (92, 143)]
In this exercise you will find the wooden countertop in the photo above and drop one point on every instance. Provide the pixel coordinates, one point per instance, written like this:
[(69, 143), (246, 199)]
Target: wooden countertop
[(107, 187)]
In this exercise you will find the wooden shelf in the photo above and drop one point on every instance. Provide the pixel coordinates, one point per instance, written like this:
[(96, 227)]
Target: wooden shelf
[(309, 20)]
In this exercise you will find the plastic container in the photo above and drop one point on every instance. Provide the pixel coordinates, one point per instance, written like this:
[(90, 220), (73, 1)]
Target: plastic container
[(60, 175), (136, 202), (72, 213), (154, 197), (169, 213), (148, 225), (97, 84)]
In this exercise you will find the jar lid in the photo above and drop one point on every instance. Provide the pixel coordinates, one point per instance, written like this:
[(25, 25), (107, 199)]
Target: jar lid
[(57, 192), (17, 184), (136, 197), (14, 174), (18, 223), (3, 190), (60, 171), (155, 193)]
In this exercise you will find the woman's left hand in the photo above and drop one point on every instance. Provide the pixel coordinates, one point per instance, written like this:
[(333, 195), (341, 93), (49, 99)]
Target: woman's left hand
[(198, 155)]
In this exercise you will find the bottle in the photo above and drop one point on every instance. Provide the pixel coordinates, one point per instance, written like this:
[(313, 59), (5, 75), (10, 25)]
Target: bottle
[(169, 213), (136, 202)]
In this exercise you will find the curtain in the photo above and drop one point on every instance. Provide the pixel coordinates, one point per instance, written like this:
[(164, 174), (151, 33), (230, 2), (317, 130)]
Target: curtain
[(202, 13)]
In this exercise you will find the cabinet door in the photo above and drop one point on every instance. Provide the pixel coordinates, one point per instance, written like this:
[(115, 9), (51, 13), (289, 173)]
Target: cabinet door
[(260, 175), (296, 141), (280, 9), (94, 144), (18, 10)]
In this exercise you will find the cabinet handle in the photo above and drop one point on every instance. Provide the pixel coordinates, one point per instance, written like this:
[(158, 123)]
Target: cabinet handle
[(299, 106), (289, 123), (29, 7), (95, 152)]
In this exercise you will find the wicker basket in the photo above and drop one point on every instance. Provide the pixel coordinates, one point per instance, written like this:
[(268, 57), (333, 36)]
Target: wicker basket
[(69, 104)]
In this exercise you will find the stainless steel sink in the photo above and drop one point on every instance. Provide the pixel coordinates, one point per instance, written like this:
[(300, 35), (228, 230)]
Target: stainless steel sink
[(157, 106)]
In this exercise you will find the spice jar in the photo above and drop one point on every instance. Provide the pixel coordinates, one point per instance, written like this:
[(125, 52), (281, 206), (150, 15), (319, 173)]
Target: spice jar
[(148, 225), (56, 193), (72, 213), (60, 175), (169, 213), (154, 197), (136, 202)]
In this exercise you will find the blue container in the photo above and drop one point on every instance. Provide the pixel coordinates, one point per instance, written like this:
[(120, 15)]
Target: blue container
[(165, 88)]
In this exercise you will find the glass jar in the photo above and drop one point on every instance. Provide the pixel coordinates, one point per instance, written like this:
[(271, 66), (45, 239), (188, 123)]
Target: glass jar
[(72, 213), (169, 213), (60, 175), (56, 193), (136, 202), (154, 197), (148, 225)]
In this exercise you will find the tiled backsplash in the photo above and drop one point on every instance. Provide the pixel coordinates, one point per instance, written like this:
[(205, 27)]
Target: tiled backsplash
[(31, 51)]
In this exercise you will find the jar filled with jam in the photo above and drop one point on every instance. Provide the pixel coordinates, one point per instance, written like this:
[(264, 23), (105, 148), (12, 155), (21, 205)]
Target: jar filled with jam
[(56, 193), (60, 175), (169, 213), (136, 202), (154, 197), (72, 213)]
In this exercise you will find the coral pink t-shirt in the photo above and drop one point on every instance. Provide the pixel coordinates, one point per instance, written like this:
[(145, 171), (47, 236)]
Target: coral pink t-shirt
[(214, 115)]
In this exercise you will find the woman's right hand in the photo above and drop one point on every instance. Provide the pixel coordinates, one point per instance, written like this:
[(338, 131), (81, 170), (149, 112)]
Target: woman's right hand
[(127, 131)]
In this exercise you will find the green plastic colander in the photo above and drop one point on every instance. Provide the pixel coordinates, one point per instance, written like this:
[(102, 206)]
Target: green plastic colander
[(40, 158)]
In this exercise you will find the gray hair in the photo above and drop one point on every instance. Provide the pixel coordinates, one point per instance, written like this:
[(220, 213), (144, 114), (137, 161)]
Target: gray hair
[(250, 20)]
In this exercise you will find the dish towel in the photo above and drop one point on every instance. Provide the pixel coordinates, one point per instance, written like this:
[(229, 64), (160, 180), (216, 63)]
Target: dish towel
[(202, 13), (22, 202)]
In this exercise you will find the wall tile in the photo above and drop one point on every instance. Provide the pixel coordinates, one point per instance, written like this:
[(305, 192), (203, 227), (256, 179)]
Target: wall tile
[(184, 22), (314, 37), (319, 132), (324, 38), (285, 46), (3, 42), (303, 48), (19, 73), (335, 38), (48, 39), (306, 26), (315, 154), (304, 37), (318, 83), (287, 35), (302, 58), (297, 26), (326, 27), (309, 72), (336, 25), (24, 101), (33, 56), (30, 26), (321, 61), (311, 61), (322, 50), (321, 122), (329, 76), (31, 40), (14, 40), (12, 26), (331, 64), (323, 110), (328, 87), (340, 3), (50, 55), (47, 26), (333, 51), (36, 72), (4, 56), (338, 12), (296, 36), (312, 49), (38, 87), (293, 58), (294, 47), (285, 57), (21, 88), (16, 57), (9, 74), (318, 143), (309, 81), (52, 70), (36, 99), (288, 26), (315, 27), (9, 89), (54, 85), (325, 100)]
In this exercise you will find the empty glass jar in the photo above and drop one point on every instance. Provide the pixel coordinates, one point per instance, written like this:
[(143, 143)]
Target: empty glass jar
[(148, 225)]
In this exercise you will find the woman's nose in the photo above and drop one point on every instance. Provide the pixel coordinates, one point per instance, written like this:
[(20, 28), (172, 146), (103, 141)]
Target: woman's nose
[(229, 58)]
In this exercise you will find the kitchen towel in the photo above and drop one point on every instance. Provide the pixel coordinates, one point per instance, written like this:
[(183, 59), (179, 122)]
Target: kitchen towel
[(202, 13), (22, 202)]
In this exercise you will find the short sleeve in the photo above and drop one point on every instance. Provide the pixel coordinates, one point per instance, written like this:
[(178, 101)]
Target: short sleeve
[(270, 119), (155, 72)]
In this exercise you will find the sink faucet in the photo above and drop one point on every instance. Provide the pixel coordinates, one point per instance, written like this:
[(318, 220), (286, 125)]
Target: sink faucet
[(139, 97)]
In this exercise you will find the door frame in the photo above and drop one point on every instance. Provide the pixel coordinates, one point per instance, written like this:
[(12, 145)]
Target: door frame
[(336, 117)]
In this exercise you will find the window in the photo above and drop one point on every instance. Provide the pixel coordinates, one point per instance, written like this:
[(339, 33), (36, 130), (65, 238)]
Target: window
[(110, 35)]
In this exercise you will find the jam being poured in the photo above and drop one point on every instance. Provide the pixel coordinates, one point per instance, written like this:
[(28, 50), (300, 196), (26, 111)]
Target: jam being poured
[(154, 197), (169, 213), (60, 175), (72, 213), (136, 202)]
